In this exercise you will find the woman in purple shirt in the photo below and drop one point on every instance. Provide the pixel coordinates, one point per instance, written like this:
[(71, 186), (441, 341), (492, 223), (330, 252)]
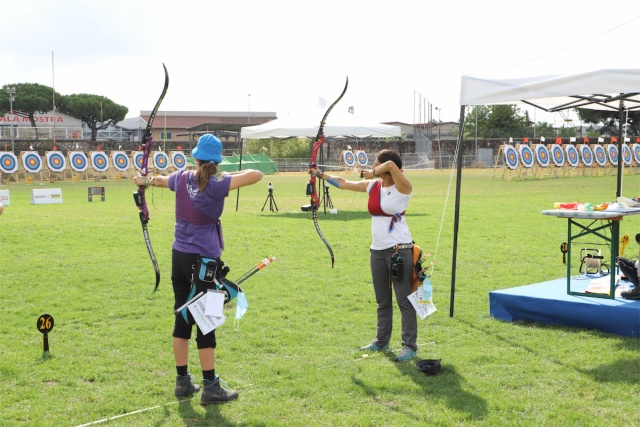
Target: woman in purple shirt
[(200, 199)]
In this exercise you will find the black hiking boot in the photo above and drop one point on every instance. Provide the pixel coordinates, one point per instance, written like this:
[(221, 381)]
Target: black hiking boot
[(628, 268), (214, 393), (185, 386), (632, 294)]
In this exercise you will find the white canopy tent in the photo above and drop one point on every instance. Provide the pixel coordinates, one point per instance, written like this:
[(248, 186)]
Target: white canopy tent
[(306, 125), (564, 87)]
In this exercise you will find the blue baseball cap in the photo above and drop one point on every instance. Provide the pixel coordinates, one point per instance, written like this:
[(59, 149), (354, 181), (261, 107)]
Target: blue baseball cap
[(209, 149)]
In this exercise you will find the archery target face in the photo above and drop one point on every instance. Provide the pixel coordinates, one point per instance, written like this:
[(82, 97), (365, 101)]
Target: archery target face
[(78, 161), (179, 160), (613, 153), (587, 155), (362, 158), (636, 152), (558, 155), (543, 155), (572, 155), (626, 154), (160, 160), (137, 159), (526, 156), (99, 161), (8, 162), (349, 158), (510, 157), (600, 155), (120, 161), (32, 162), (56, 161)]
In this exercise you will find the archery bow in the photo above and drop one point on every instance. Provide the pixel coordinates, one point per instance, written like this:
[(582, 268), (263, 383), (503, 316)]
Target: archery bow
[(138, 196), (311, 185)]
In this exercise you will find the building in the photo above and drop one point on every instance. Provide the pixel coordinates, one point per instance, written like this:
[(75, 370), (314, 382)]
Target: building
[(187, 126), (170, 126), (14, 126)]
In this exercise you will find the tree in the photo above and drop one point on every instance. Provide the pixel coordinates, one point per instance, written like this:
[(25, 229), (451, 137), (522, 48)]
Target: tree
[(544, 129), (507, 121), (609, 119), (277, 148), (30, 98), (498, 121), (479, 114), (567, 131), (98, 112)]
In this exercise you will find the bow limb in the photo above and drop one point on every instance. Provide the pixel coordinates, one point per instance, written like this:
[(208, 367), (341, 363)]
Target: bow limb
[(314, 217), (139, 196), (311, 185)]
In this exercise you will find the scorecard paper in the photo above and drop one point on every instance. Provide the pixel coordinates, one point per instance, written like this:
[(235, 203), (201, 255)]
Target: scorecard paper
[(198, 310), (214, 304), (423, 309)]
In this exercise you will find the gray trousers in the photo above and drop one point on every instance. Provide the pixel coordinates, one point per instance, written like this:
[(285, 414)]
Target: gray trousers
[(382, 285)]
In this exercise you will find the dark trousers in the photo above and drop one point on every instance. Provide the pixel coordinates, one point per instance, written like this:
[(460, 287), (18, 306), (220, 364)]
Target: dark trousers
[(382, 286), (182, 268)]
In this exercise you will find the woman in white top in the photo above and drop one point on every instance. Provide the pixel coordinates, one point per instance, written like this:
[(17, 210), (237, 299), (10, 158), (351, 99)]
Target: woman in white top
[(389, 193)]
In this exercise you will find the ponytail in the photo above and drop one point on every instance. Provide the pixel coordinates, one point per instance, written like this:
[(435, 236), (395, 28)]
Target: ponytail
[(207, 170)]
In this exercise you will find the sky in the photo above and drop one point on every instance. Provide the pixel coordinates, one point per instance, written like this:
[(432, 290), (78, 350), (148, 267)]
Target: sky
[(287, 56)]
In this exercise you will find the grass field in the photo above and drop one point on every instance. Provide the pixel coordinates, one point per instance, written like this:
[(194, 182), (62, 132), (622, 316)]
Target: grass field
[(295, 359)]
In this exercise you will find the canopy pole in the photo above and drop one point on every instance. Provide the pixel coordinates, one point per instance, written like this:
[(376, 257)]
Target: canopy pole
[(456, 220), (239, 169), (620, 156)]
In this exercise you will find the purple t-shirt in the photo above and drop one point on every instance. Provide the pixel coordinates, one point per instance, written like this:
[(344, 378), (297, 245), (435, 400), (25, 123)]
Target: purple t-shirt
[(198, 229)]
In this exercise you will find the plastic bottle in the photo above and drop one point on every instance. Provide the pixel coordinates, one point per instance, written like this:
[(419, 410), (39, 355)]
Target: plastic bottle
[(427, 289)]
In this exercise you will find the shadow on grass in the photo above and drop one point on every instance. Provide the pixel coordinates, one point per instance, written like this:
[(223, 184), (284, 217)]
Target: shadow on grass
[(447, 386), (617, 371), (627, 371), (212, 416), (344, 215)]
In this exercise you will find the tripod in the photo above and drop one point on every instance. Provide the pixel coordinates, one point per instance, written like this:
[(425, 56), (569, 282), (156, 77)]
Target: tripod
[(271, 200), (325, 196)]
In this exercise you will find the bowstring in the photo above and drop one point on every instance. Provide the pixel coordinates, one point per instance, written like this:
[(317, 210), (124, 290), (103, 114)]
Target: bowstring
[(164, 150), (353, 198), (444, 208)]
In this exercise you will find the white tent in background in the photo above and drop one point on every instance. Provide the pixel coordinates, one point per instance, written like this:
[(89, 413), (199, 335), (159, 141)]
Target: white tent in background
[(568, 84), (306, 125)]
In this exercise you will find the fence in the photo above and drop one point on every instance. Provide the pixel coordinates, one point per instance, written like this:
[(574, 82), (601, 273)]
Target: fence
[(24, 132), (412, 161), (468, 161), (409, 161)]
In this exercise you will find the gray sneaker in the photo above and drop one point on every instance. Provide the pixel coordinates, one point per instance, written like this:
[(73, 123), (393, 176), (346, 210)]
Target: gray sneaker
[(406, 354), (214, 393), (185, 386), (372, 346)]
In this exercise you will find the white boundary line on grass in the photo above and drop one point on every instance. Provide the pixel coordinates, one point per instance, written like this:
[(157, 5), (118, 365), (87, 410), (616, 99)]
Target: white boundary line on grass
[(115, 417)]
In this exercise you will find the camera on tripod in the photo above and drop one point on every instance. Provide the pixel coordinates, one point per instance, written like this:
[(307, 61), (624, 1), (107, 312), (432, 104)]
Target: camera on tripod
[(270, 199)]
